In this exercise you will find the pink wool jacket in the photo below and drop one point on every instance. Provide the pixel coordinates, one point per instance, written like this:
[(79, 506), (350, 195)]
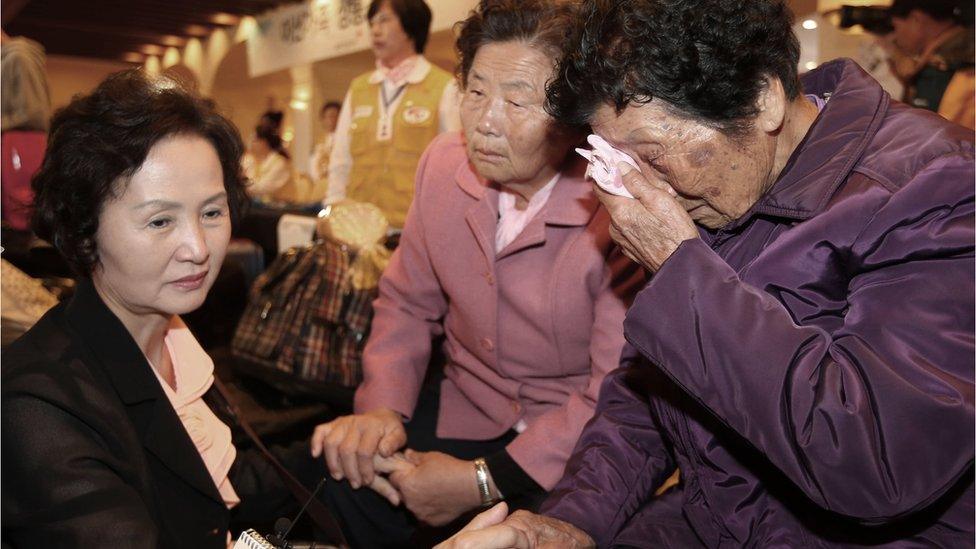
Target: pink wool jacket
[(530, 331)]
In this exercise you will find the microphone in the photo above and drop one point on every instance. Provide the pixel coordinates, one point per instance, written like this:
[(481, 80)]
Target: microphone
[(252, 540), (283, 526)]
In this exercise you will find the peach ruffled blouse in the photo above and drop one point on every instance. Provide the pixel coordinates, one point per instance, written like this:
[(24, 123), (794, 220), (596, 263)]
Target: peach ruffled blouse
[(193, 370)]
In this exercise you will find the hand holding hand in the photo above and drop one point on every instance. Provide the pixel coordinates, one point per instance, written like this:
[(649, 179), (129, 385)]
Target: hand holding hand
[(487, 531), (439, 488), (522, 530), (548, 533), (384, 466), (650, 226), (350, 443)]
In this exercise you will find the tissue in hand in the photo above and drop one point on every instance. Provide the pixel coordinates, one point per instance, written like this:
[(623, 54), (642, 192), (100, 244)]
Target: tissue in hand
[(603, 165)]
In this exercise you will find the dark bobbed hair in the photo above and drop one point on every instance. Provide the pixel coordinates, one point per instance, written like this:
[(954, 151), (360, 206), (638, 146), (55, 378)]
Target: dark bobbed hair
[(414, 17), (705, 58), (545, 24), (271, 137), (99, 141), (330, 105), (272, 120)]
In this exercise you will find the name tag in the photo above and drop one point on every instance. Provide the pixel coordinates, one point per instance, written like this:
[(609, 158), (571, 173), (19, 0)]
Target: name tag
[(363, 111)]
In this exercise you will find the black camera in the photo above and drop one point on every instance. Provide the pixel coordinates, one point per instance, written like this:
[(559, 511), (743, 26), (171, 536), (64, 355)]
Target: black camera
[(874, 19)]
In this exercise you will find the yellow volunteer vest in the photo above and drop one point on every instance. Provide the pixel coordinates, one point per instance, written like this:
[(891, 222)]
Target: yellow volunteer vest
[(383, 171)]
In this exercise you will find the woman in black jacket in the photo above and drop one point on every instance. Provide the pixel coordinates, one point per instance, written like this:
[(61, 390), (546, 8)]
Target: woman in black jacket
[(112, 429)]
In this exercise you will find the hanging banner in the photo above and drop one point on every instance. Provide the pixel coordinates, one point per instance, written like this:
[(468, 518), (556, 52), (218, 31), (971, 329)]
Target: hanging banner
[(302, 33), (296, 34)]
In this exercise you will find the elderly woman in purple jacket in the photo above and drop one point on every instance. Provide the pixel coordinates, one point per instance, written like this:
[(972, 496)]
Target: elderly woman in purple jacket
[(804, 351)]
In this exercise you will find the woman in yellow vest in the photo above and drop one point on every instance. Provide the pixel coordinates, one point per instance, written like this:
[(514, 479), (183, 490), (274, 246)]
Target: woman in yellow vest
[(390, 114)]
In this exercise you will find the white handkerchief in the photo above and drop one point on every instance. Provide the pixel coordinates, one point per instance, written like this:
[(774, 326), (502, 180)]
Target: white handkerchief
[(603, 165)]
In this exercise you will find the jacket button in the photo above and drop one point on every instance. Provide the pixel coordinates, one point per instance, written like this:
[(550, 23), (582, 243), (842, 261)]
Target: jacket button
[(487, 344), (490, 278)]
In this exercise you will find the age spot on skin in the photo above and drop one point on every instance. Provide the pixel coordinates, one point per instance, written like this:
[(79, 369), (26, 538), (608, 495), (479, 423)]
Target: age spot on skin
[(713, 192), (701, 157)]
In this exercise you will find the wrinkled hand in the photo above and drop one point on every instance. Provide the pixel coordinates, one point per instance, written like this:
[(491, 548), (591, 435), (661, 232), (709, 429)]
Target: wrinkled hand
[(381, 483), (650, 226), (350, 443), (521, 530), (548, 533), (439, 489), (487, 531)]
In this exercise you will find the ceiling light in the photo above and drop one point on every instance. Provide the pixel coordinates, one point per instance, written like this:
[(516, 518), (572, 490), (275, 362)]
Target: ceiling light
[(171, 58), (224, 19), (196, 30), (809, 24), (171, 40), (247, 28), (152, 49)]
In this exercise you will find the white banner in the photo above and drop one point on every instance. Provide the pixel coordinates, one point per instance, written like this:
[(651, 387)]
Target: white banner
[(302, 33), (296, 34)]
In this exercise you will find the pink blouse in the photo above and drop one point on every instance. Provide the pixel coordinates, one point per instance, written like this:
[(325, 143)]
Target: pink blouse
[(193, 370)]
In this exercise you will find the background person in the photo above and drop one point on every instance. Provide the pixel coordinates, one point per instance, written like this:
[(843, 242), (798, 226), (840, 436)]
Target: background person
[(391, 114), (318, 166), (26, 110), (507, 254), (804, 351), (935, 57), (266, 165), (273, 117)]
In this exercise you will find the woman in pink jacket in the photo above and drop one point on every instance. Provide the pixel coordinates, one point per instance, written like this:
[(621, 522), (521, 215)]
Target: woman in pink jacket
[(507, 255)]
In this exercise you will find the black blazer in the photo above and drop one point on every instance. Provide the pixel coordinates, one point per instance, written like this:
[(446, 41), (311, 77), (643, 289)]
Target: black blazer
[(94, 454)]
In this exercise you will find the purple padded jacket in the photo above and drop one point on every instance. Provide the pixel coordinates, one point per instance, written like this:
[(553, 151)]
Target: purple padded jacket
[(809, 368)]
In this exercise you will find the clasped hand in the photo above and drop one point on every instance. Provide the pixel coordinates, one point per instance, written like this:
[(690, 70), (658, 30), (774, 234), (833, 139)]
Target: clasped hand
[(495, 529), (363, 448)]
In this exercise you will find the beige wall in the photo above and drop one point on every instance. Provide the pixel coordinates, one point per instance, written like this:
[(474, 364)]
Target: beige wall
[(802, 7), (244, 99), (68, 76)]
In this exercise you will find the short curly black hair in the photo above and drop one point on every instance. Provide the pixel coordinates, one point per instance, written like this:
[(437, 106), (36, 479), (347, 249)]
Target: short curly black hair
[(705, 58), (546, 24), (98, 141)]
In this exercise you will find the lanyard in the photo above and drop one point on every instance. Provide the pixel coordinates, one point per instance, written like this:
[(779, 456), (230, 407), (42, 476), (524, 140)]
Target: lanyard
[(389, 101), (384, 132)]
